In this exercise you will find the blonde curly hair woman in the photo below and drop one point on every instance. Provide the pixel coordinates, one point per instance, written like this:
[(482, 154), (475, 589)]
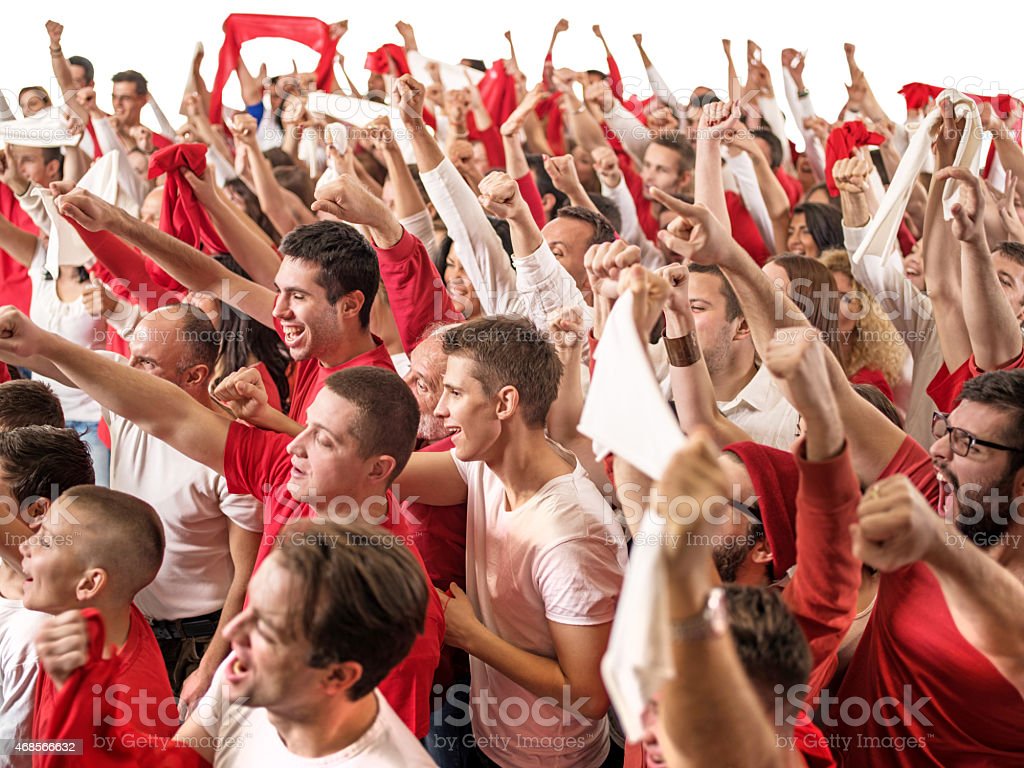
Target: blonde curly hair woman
[(871, 349)]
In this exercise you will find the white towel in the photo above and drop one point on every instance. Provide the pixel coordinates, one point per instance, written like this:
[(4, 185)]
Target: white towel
[(40, 130), (453, 76), (103, 180), (645, 434), (65, 247), (884, 227)]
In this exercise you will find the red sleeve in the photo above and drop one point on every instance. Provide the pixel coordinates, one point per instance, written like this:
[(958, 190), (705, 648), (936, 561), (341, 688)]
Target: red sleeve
[(874, 377), (916, 463), (945, 387), (121, 261), (415, 291), (615, 78), (253, 459), (273, 396), (528, 189), (823, 592)]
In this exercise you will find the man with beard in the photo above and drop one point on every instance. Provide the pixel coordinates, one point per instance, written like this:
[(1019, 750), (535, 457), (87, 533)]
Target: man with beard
[(947, 631)]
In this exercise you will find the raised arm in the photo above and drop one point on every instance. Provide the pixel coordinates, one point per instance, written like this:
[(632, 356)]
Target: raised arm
[(991, 324), (185, 264), (156, 406), (897, 526), (716, 120), (710, 712)]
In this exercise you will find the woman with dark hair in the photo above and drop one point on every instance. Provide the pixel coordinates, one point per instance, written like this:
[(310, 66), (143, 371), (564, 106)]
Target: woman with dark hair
[(245, 342), (810, 285), (247, 202), (814, 228)]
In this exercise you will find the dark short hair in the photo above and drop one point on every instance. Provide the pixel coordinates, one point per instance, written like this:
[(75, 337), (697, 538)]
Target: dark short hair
[(1012, 250), (88, 70), (346, 261), (124, 535), (603, 230), (1003, 390), (24, 402), (545, 186), (825, 225), (774, 145), (278, 158), (131, 76), (678, 144), (44, 461), (607, 208), (363, 596), (508, 350), (388, 414), (733, 309), (769, 642)]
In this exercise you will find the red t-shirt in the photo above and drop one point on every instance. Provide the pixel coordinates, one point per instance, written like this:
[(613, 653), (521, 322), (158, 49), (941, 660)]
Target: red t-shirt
[(139, 672), (794, 189), (911, 650), (15, 286), (874, 377), (310, 376), (945, 387), (256, 462), (744, 229)]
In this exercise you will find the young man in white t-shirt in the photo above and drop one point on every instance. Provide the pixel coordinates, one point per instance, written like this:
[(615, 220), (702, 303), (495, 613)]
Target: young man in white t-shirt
[(545, 554), (330, 612), (37, 463)]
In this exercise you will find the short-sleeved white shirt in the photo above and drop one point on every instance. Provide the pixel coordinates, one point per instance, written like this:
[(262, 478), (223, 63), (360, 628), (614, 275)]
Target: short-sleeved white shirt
[(559, 557)]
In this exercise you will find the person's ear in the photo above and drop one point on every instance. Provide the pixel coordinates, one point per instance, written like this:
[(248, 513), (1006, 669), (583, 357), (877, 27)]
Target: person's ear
[(548, 203), (742, 330), (91, 583), (197, 375), (685, 180), (762, 553), (340, 678), (381, 468), (507, 403), (350, 305), (34, 512)]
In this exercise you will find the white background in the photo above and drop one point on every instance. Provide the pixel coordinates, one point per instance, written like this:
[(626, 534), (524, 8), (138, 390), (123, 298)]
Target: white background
[(898, 43)]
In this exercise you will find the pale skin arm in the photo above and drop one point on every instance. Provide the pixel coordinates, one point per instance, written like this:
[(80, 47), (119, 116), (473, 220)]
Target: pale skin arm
[(243, 546), (20, 244), (156, 406), (185, 264), (255, 254), (433, 479), (708, 188)]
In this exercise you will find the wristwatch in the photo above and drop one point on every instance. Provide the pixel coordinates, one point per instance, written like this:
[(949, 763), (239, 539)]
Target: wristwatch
[(712, 622)]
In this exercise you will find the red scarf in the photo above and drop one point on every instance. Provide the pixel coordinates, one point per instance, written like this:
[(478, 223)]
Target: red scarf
[(241, 27), (841, 143), (182, 214)]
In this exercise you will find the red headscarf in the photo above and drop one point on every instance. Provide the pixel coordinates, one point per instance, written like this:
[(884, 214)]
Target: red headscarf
[(776, 479)]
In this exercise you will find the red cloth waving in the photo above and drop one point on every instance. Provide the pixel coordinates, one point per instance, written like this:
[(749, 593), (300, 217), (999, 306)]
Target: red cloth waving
[(918, 95), (182, 214), (240, 27), (379, 61), (841, 143)]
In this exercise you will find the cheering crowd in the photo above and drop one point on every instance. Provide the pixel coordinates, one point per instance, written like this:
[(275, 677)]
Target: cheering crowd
[(450, 419)]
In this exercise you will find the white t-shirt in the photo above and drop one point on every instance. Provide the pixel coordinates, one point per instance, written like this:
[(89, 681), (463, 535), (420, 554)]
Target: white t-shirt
[(196, 509), (559, 557), (249, 740), (69, 321), (763, 412), (19, 667)]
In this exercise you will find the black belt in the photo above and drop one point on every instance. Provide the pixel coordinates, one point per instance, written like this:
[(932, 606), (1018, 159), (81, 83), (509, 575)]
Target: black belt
[(179, 629)]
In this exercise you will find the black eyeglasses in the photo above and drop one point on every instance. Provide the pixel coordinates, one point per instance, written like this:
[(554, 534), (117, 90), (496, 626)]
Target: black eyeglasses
[(960, 439)]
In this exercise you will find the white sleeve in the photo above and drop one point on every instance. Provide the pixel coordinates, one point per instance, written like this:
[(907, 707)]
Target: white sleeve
[(633, 134), (773, 116), (665, 95), (742, 168), (33, 206), (476, 243), (421, 226), (882, 276), (546, 286), (803, 108)]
